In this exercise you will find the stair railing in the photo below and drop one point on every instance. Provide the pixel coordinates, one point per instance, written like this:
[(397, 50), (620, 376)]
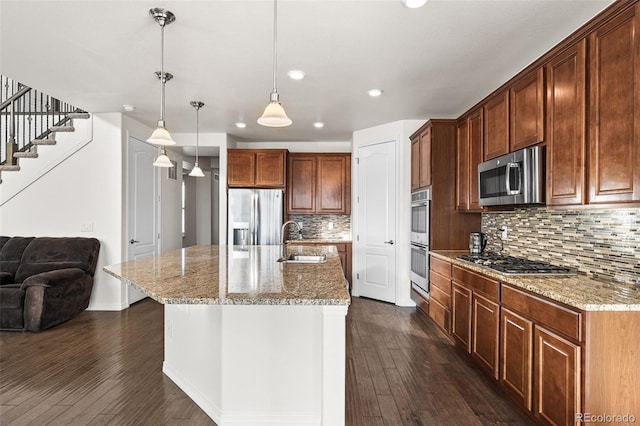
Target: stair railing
[(26, 115)]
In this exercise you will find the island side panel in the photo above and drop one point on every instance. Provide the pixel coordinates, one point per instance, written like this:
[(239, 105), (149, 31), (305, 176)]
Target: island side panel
[(253, 364), (334, 347), (193, 353)]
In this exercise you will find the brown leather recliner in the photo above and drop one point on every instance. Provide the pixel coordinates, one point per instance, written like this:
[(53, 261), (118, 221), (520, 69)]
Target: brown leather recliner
[(45, 281)]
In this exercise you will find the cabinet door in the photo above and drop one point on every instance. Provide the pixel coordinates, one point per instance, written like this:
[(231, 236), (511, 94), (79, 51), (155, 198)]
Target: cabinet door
[(516, 358), (425, 157), (461, 315), (496, 126), (463, 168), (415, 163), (557, 378), (301, 183), (270, 169), (526, 105), (566, 115), (614, 136), (485, 325), (241, 168), (475, 158), (333, 184)]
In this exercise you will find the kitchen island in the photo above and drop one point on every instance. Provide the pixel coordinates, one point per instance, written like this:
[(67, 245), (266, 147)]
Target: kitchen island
[(249, 339)]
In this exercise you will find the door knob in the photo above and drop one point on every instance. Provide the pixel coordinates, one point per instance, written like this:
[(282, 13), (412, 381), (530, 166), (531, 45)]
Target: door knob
[(389, 242), (133, 241)]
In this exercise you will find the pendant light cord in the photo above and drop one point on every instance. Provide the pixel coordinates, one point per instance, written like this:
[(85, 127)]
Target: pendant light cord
[(197, 132), (162, 76), (275, 43)]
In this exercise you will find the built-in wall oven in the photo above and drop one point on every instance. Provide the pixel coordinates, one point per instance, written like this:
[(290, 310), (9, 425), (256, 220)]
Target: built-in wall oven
[(420, 208)]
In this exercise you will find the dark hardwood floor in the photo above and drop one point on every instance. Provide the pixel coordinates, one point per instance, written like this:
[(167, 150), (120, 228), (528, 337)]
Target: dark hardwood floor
[(106, 368)]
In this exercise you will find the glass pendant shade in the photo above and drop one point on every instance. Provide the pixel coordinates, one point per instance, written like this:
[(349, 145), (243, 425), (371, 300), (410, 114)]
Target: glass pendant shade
[(161, 136), (196, 171), (163, 160), (274, 115)]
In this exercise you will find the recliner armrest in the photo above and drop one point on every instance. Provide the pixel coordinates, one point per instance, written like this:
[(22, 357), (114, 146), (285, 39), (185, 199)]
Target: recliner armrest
[(55, 278)]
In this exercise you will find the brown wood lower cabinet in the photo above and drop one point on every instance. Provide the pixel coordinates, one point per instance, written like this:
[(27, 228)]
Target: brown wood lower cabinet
[(516, 357), (461, 315), (557, 378), (485, 333)]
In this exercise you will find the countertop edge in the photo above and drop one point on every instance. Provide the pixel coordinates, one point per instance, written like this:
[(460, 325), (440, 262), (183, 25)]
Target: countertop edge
[(451, 256)]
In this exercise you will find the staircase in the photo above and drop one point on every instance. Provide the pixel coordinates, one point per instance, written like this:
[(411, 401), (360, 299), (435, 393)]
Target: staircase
[(29, 119)]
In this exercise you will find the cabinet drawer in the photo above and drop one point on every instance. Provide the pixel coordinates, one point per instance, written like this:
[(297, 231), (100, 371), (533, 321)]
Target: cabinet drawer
[(443, 297), (478, 283), (439, 314), (437, 280), (441, 267), (556, 317)]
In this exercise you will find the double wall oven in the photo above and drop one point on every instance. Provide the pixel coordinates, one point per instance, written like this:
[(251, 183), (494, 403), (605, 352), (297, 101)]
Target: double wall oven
[(420, 208)]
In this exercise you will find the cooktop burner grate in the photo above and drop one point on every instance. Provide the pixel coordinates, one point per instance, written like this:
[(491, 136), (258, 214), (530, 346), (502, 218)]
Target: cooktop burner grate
[(512, 265)]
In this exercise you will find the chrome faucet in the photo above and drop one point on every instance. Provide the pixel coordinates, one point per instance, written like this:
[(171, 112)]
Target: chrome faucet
[(282, 241)]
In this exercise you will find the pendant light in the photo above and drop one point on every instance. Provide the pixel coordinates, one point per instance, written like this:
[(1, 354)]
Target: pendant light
[(160, 135), (163, 160), (274, 115), (196, 171)]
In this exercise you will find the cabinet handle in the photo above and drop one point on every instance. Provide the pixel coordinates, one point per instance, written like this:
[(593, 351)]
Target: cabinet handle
[(389, 242)]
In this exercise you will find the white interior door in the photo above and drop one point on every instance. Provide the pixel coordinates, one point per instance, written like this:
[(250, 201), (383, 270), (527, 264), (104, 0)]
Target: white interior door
[(143, 205), (377, 221)]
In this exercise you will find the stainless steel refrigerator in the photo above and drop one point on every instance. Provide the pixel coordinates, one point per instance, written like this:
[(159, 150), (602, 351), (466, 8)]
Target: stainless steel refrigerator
[(255, 216)]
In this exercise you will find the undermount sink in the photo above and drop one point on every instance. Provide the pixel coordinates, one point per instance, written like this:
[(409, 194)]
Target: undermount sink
[(303, 258)]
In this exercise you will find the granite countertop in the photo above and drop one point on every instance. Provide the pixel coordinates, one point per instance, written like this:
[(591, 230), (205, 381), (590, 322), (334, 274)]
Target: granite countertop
[(236, 275), (578, 291)]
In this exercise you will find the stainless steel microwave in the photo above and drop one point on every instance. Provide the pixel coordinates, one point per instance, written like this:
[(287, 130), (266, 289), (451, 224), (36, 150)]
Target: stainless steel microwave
[(515, 178)]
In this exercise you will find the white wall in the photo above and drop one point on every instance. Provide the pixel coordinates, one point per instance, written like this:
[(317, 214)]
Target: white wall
[(400, 132), (86, 188)]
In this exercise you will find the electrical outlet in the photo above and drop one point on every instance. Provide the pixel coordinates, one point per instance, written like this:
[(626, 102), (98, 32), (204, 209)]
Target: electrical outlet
[(86, 227), (300, 224), (330, 226), (504, 232)]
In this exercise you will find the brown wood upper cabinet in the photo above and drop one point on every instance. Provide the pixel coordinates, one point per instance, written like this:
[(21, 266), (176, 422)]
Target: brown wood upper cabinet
[(469, 155), (566, 115), (614, 116), (526, 105), (319, 184), (421, 159), (258, 168), (496, 125)]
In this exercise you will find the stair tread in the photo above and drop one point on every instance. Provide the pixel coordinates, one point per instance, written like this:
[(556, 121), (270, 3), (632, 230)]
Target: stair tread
[(43, 142), (6, 168), (62, 128), (78, 115), (25, 155)]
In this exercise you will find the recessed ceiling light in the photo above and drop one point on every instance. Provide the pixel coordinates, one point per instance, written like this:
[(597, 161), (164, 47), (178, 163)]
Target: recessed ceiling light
[(318, 124), (412, 4), (128, 108), (241, 125), (296, 74), (375, 92)]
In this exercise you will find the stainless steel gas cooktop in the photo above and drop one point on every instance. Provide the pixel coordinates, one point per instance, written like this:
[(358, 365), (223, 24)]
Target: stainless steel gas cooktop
[(511, 265)]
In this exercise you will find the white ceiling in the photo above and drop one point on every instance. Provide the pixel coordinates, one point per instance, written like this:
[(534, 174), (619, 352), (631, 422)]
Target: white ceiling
[(432, 62)]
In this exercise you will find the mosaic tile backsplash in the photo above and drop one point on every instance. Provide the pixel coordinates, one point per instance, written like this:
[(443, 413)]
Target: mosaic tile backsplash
[(601, 242), (322, 226)]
